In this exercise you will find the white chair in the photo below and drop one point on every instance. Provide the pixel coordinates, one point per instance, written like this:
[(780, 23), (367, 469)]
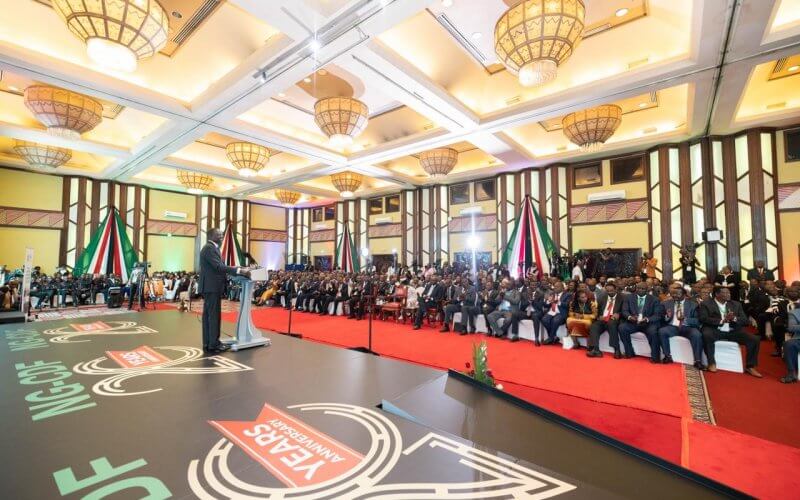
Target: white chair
[(480, 322), (526, 329), (729, 356), (339, 308), (681, 350)]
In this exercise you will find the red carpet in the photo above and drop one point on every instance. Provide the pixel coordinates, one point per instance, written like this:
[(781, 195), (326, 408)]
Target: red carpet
[(761, 407), (652, 432), (629, 383)]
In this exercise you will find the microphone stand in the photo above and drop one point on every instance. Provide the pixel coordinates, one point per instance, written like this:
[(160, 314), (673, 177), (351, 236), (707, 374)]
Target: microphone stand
[(289, 327), (371, 305)]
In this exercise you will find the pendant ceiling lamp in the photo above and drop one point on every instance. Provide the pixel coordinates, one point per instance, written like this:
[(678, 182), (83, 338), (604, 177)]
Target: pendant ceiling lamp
[(286, 197), (195, 182), (342, 119), (590, 128), (247, 157), (438, 162), (534, 37), (42, 155), (117, 33), (65, 113), (346, 183)]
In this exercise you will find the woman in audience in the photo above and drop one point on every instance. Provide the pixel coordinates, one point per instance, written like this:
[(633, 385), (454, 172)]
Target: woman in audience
[(582, 313), (726, 278)]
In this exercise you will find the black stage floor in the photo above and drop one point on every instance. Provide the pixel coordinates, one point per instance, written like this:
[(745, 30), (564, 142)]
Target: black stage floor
[(127, 406)]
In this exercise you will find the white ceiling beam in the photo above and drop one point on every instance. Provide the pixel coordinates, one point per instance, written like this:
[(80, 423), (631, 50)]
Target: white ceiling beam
[(41, 68), (84, 145)]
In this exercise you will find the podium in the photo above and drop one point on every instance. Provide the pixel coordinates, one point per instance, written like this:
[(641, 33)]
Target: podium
[(247, 335)]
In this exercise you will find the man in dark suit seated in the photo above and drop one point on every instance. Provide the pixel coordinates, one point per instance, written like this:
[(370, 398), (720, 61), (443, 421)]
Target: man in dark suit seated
[(642, 313), (557, 304), (432, 294), (342, 295), (723, 319), (452, 295), (213, 273), (791, 348), (609, 308), (470, 308), (680, 318), (760, 273)]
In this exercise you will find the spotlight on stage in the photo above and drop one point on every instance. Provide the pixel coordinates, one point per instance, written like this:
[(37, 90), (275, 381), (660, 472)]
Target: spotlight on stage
[(473, 242), (365, 252)]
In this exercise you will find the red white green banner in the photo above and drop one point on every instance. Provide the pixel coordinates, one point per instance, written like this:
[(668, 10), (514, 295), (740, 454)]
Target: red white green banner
[(231, 251), (529, 243), (346, 258), (109, 251)]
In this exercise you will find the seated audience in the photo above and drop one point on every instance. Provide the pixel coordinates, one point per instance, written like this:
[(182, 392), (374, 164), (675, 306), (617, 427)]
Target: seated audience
[(723, 319)]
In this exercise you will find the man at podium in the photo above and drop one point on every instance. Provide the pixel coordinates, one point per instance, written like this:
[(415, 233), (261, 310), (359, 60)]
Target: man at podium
[(211, 286)]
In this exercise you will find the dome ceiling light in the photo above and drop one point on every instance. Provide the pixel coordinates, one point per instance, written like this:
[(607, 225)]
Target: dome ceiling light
[(342, 119), (247, 157), (347, 183), (590, 128), (534, 37), (286, 197), (195, 182), (438, 162), (65, 113), (42, 155), (117, 33)]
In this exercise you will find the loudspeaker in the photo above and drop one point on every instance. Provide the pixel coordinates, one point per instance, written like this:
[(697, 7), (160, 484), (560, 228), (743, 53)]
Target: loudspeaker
[(712, 235), (114, 297)]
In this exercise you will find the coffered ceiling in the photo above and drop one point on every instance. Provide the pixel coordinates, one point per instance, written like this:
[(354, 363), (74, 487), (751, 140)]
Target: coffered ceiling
[(250, 70)]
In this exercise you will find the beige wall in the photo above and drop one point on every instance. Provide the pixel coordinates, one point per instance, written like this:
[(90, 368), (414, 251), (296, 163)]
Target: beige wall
[(170, 253), (633, 190), (790, 246), (267, 217), (623, 234), (161, 201), (321, 248), (488, 243), (787, 172), (44, 242), (384, 246), (30, 190)]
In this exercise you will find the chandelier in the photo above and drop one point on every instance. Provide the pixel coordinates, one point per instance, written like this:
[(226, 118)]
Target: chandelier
[(42, 155), (534, 37), (65, 113), (346, 182), (591, 127), (247, 157), (287, 197), (341, 119), (195, 182), (117, 33), (438, 162)]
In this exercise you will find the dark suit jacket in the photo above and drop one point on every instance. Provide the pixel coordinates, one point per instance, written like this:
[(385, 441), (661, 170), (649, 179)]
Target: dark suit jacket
[(767, 275), (602, 302), (709, 314), (212, 270), (689, 312), (436, 295), (651, 309)]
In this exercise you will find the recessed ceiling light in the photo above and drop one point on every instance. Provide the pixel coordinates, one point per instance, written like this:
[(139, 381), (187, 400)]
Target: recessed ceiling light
[(315, 45), (621, 12), (13, 88), (281, 94), (322, 72), (477, 35), (307, 80), (176, 14), (447, 3), (792, 69), (642, 104)]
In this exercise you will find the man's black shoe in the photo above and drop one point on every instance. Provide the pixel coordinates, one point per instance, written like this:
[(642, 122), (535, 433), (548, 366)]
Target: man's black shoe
[(699, 365), (667, 359), (221, 348), (629, 355), (617, 354), (548, 341), (514, 338)]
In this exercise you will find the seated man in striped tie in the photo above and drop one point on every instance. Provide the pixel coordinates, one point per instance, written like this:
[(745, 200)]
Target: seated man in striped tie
[(609, 307), (680, 318)]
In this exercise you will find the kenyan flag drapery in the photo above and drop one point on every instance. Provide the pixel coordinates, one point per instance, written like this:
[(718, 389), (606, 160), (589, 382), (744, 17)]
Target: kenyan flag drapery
[(231, 251), (109, 251), (529, 243), (346, 259)]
